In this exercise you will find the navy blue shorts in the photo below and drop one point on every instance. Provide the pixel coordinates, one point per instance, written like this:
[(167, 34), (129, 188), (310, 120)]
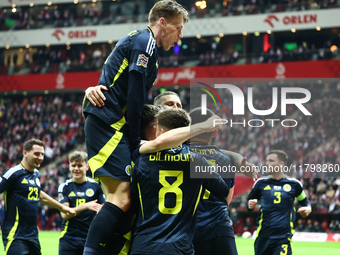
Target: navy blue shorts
[(217, 246), (272, 246), (117, 246), (71, 247), (24, 247), (108, 149)]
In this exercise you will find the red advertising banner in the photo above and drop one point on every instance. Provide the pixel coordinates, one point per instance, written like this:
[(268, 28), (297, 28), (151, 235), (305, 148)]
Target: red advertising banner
[(333, 237), (281, 70), (178, 76)]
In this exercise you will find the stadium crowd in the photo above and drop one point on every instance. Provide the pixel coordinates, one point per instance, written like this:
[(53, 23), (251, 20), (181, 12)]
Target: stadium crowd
[(91, 58), (56, 120), (108, 12)]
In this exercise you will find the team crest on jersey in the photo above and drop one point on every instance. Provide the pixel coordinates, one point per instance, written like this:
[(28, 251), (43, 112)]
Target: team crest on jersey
[(287, 187), (80, 194), (142, 60), (37, 181), (128, 169), (89, 192)]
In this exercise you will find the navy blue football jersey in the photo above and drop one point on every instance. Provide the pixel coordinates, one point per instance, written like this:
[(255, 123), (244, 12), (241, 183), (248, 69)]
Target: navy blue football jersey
[(168, 200), (212, 216), (138, 52), (77, 194), (21, 190), (277, 212)]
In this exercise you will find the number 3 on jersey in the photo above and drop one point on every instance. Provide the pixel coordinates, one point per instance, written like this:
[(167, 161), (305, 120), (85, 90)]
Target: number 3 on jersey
[(277, 200), (285, 249), (170, 188)]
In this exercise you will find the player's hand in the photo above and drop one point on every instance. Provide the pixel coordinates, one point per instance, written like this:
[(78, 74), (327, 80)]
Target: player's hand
[(305, 211), (249, 169), (93, 206), (252, 203), (95, 95), (213, 123), (67, 210)]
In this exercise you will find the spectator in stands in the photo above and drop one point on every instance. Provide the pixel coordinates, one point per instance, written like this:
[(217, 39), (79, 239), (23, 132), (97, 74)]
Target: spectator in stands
[(309, 226), (234, 216), (334, 226), (330, 192), (43, 217), (248, 225), (300, 227), (56, 224), (317, 227)]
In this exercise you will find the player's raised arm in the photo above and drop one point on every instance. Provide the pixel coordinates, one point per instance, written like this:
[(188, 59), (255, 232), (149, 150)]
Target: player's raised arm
[(241, 163), (177, 136)]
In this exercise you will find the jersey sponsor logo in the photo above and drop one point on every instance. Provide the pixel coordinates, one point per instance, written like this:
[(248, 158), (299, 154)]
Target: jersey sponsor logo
[(89, 192), (277, 187), (142, 60), (24, 181), (128, 170), (60, 197), (71, 194), (37, 181), (32, 182), (80, 194), (267, 188), (287, 187)]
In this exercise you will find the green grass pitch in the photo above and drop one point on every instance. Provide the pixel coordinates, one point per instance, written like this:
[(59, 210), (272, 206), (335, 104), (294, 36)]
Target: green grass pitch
[(49, 246)]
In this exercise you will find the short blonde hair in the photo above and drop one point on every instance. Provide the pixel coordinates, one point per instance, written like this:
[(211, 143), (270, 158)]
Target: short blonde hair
[(78, 156), (168, 9)]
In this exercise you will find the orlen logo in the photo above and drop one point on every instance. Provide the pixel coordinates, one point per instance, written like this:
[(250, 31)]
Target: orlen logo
[(291, 19), (57, 32), (75, 34), (270, 18)]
